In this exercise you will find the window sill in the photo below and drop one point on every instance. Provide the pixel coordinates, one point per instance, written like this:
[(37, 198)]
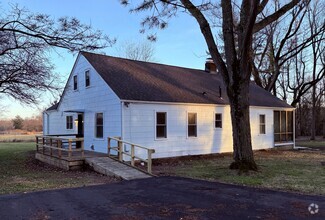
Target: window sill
[(161, 139)]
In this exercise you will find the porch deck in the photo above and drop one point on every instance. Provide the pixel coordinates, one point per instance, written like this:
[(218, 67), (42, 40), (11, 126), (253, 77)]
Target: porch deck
[(66, 162), (68, 153)]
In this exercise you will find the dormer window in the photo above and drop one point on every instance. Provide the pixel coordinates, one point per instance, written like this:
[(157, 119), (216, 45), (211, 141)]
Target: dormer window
[(75, 82), (87, 78)]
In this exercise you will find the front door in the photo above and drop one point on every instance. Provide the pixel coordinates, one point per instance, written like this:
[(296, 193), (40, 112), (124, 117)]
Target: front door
[(80, 133), (80, 125)]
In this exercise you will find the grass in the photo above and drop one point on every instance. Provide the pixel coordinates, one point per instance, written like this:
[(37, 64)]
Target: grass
[(20, 172), (17, 137), (281, 170), (314, 144)]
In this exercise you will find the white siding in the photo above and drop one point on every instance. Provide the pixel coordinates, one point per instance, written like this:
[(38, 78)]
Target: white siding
[(139, 127), (98, 97)]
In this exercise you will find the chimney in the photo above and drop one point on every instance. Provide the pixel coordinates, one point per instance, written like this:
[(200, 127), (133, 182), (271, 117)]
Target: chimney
[(210, 67)]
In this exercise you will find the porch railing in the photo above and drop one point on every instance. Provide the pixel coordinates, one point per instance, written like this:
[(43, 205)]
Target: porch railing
[(60, 146), (130, 150)]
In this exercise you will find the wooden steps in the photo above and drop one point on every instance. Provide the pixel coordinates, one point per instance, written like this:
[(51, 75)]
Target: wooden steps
[(111, 167)]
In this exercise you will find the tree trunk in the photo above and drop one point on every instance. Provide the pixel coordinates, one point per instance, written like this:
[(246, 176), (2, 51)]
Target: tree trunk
[(313, 118), (243, 155), (299, 133)]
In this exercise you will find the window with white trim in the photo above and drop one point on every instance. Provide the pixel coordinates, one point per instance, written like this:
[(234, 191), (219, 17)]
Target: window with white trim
[(75, 82), (262, 124), (69, 122), (87, 78), (191, 125), (218, 120), (99, 127), (161, 125)]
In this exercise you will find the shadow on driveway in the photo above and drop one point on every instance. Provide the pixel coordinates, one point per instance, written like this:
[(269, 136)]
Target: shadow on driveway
[(160, 198)]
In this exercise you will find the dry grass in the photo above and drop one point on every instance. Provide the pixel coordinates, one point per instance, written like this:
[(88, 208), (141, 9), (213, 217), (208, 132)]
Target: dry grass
[(282, 170), (20, 172), (17, 137)]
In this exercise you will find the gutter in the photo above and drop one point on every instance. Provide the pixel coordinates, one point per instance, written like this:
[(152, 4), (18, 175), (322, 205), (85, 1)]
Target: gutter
[(204, 104)]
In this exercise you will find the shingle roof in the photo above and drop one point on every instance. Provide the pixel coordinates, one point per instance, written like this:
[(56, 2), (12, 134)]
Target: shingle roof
[(144, 81), (53, 107)]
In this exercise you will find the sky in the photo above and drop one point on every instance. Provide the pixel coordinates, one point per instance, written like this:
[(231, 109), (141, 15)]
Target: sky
[(181, 44)]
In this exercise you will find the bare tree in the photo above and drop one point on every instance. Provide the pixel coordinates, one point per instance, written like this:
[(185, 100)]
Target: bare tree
[(26, 39), (141, 50), (2, 110), (318, 52), (238, 22), (279, 43), (290, 62)]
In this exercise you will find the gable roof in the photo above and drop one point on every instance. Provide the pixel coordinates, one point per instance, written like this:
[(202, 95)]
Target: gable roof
[(53, 107), (144, 81)]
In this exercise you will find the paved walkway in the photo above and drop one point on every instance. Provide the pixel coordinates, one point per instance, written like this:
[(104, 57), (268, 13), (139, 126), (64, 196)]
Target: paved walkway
[(110, 167), (160, 198)]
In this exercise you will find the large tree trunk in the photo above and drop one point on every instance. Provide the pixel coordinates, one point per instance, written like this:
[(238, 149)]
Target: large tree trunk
[(243, 155), (235, 66)]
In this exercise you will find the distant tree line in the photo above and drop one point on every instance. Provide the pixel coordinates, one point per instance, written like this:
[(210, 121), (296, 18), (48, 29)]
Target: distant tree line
[(30, 124), (306, 110)]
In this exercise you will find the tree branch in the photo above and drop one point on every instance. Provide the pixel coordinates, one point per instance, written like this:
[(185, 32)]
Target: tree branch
[(276, 15)]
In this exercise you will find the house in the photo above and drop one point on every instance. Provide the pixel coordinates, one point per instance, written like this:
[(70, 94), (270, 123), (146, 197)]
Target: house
[(177, 111)]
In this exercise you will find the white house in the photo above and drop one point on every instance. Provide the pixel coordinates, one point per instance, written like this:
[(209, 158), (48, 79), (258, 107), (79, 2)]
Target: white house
[(177, 111)]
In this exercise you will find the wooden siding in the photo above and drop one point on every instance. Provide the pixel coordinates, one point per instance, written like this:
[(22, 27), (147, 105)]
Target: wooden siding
[(98, 97), (139, 127)]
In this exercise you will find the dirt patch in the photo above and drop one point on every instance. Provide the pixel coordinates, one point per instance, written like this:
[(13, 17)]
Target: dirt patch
[(181, 160)]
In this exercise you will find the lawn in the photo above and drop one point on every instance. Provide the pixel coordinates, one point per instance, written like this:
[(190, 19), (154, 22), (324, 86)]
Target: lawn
[(20, 172), (318, 144), (281, 170)]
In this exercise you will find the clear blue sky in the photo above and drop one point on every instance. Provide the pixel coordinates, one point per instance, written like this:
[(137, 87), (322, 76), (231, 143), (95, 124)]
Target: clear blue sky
[(181, 44)]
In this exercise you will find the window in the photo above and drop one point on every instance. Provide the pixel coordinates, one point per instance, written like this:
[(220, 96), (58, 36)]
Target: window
[(191, 125), (99, 125), (69, 122), (218, 120), (262, 124), (87, 78), (283, 126), (161, 125), (75, 82)]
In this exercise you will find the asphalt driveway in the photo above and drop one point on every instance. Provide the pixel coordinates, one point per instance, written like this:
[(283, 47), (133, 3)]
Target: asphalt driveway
[(161, 198)]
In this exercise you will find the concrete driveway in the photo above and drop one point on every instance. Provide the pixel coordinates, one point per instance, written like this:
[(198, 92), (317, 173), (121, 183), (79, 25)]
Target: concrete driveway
[(161, 198)]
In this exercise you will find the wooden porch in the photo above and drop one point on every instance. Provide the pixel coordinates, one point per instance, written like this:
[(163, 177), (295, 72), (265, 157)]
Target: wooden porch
[(63, 151), (67, 152)]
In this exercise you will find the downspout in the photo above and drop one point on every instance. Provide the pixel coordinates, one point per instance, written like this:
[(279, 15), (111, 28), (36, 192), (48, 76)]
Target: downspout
[(122, 120), (47, 123)]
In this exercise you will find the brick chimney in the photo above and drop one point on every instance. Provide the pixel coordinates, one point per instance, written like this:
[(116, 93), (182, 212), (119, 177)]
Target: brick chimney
[(210, 67)]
